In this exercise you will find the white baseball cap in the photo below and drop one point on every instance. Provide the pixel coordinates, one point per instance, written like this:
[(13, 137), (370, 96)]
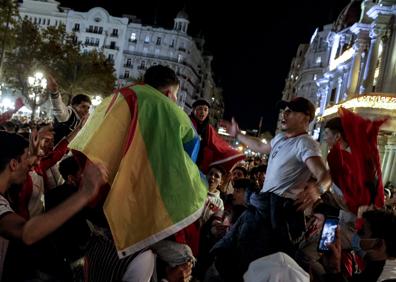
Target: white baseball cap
[(278, 267)]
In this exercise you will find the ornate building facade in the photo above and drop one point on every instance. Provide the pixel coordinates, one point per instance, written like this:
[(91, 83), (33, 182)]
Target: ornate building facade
[(362, 70), (352, 63), (133, 47)]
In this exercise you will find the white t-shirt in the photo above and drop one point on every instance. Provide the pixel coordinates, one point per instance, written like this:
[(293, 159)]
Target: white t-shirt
[(4, 209), (214, 204), (287, 173)]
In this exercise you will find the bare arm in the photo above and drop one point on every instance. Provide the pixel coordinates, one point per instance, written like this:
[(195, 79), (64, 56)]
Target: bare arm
[(320, 172), (253, 143), (36, 228), (313, 190)]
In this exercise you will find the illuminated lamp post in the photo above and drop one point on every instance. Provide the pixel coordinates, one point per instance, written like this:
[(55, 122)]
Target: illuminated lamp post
[(37, 85)]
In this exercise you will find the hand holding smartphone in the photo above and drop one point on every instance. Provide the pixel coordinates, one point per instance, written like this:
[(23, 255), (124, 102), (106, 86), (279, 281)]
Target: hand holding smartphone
[(328, 234)]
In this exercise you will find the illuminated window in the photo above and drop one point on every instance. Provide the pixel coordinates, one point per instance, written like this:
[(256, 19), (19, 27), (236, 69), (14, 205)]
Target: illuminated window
[(318, 60), (147, 39), (133, 37)]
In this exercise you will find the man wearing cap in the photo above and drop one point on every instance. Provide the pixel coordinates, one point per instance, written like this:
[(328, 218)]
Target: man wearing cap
[(214, 150), (294, 155), (277, 222)]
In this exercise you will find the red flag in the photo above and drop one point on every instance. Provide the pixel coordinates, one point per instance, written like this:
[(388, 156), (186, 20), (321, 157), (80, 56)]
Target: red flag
[(364, 186)]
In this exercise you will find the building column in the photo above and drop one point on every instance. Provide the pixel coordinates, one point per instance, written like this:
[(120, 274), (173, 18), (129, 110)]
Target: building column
[(345, 86), (353, 79), (372, 58), (389, 162), (381, 141), (339, 88)]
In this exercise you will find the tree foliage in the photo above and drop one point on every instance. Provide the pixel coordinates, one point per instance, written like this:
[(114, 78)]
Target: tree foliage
[(53, 51), (8, 18)]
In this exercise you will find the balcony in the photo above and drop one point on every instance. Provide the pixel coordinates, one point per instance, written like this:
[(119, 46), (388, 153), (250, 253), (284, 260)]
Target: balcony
[(111, 47), (94, 31), (91, 44), (114, 35)]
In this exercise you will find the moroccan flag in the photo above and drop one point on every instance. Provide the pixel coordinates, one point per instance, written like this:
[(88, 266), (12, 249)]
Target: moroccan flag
[(148, 145), (366, 186)]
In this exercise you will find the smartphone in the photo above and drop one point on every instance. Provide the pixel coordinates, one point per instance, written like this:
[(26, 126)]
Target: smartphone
[(328, 234)]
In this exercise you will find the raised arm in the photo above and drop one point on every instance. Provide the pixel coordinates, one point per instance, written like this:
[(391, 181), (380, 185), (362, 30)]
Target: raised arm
[(252, 142), (61, 111)]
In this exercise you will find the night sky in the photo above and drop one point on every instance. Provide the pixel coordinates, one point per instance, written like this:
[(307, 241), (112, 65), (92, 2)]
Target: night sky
[(252, 46)]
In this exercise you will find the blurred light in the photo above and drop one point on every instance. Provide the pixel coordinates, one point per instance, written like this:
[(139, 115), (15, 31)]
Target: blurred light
[(43, 83), (7, 103), (264, 141), (222, 131), (31, 80), (25, 110), (240, 148), (97, 100), (39, 75)]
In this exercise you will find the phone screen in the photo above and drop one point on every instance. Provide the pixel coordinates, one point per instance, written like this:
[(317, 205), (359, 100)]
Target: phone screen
[(328, 234)]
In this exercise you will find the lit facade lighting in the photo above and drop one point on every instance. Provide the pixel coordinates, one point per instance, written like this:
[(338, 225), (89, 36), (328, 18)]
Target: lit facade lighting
[(348, 54), (366, 101)]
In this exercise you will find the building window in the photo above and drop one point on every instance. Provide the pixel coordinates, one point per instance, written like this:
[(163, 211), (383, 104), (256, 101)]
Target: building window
[(76, 27), (112, 45), (315, 77), (96, 29), (142, 65), (48, 22), (110, 57), (179, 58), (133, 37), (318, 60), (115, 32), (128, 63), (90, 29), (86, 40), (100, 30), (332, 96), (97, 42), (147, 39), (173, 43), (181, 47), (157, 52), (126, 74), (158, 41)]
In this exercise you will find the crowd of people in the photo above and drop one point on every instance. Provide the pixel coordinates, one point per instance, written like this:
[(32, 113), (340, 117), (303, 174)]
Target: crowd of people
[(259, 219)]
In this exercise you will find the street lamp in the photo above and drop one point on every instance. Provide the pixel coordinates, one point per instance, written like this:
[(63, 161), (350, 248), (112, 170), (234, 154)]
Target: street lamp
[(37, 84)]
